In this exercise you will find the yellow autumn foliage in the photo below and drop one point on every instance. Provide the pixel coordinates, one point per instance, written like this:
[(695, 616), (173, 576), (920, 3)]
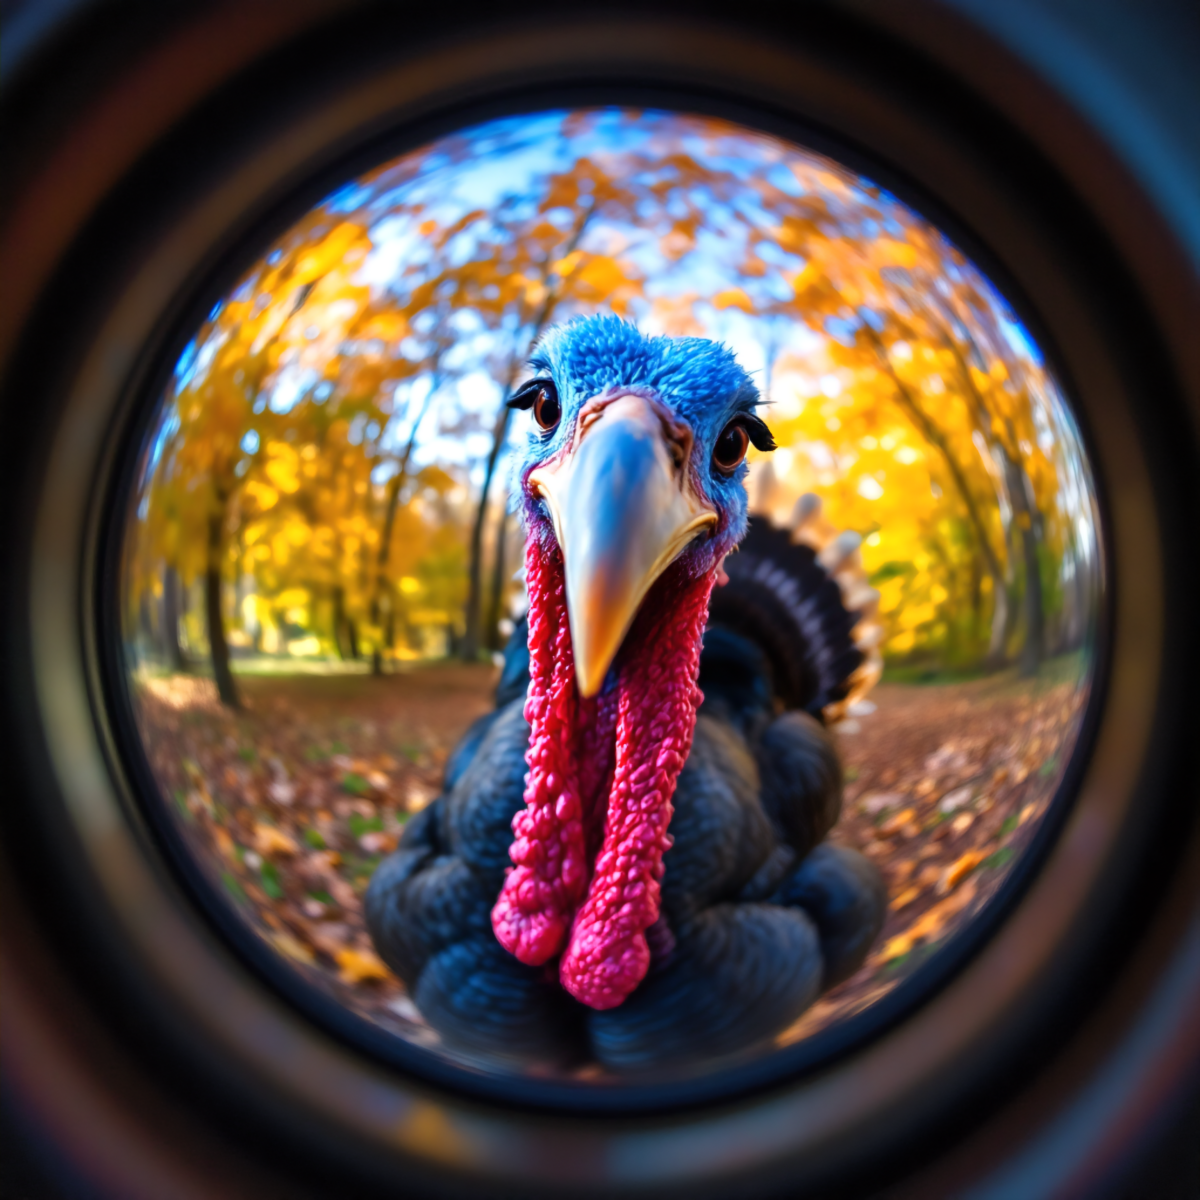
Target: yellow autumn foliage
[(306, 458)]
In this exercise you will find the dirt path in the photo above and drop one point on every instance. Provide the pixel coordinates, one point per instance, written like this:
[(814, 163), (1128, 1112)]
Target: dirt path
[(291, 803)]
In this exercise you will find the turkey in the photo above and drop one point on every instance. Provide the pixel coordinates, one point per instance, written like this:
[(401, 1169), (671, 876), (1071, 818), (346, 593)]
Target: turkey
[(627, 864)]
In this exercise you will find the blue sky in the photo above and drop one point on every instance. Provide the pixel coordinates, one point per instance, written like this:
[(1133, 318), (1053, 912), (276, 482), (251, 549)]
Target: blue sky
[(507, 161)]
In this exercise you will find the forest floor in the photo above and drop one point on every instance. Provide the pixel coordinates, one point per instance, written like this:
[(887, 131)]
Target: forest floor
[(290, 803)]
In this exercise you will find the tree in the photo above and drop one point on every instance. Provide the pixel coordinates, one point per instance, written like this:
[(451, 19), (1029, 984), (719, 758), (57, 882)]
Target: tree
[(220, 385), (326, 444), (383, 592), (894, 298)]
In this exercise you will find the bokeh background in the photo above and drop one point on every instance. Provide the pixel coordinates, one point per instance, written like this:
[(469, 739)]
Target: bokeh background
[(321, 564)]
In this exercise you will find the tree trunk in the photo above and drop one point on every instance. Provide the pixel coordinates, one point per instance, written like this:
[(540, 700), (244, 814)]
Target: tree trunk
[(389, 629), (997, 652), (1029, 521), (1081, 592), (145, 619), (1028, 518), (218, 646), (1035, 618), (494, 641), (389, 523), (340, 624), (171, 611), (933, 435), (976, 600), (472, 639)]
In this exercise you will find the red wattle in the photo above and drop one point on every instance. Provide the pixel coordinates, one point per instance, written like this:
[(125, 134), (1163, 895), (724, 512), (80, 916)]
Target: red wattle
[(541, 893), (608, 955), (600, 770)]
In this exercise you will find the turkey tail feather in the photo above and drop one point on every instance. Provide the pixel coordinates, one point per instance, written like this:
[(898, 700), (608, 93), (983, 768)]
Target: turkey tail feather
[(803, 598)]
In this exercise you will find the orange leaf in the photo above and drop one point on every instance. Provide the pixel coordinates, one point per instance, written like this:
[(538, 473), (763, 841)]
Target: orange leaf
[(360, 966), (733, 298), (960, 870), (270, 841)]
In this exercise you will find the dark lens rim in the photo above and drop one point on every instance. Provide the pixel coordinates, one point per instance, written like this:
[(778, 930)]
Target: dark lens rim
[(853, 119), (719, 1084)]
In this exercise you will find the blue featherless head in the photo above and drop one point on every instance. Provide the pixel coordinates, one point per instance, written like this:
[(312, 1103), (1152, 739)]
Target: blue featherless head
[(634, 460), (697, 383)]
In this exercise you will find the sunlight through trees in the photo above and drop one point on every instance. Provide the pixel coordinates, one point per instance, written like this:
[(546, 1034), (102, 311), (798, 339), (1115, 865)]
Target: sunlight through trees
[(327, 479)]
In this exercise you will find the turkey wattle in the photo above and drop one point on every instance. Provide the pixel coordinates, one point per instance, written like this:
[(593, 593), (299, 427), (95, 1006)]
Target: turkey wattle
[(626, 864)]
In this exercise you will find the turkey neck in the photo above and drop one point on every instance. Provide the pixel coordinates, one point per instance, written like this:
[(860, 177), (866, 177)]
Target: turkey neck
[(548, 881), (607, 954), (589, 844)]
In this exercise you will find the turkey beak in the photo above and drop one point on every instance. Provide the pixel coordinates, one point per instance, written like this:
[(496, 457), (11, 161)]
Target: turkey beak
[(624, 508)]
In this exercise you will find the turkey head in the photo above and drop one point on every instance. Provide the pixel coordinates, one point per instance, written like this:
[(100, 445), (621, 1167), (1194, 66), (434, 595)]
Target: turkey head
[(632, 486)]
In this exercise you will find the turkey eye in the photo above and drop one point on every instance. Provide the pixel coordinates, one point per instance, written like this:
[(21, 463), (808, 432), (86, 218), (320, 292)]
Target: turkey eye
[(542, 396), (731, 447), (546, 409)]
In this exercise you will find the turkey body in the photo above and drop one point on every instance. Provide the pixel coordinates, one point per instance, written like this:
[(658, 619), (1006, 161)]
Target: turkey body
[(758, 913)]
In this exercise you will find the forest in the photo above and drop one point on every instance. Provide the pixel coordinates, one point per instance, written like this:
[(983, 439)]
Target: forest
[(326, 484), (322, 554)]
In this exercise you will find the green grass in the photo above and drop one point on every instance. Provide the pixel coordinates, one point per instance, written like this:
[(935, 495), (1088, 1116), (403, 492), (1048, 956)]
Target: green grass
[(285, 664), (930, 674), (356, 785), (360, 824), (1001, 858), (234, 888), (269, 874), (1064, 668)]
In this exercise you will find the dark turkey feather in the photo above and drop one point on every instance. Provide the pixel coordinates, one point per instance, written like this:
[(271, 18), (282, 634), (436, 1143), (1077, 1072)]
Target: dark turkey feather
[(780, 598), (758, 913)]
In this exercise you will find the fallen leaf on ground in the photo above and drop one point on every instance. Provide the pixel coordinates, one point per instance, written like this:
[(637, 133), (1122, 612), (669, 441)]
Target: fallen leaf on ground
[(282, 792), (291, 948), (875, 802), (378, 843), (952, 801), (270, 841), (358, 966), (898, 822), (309, 902), (957, 872)]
